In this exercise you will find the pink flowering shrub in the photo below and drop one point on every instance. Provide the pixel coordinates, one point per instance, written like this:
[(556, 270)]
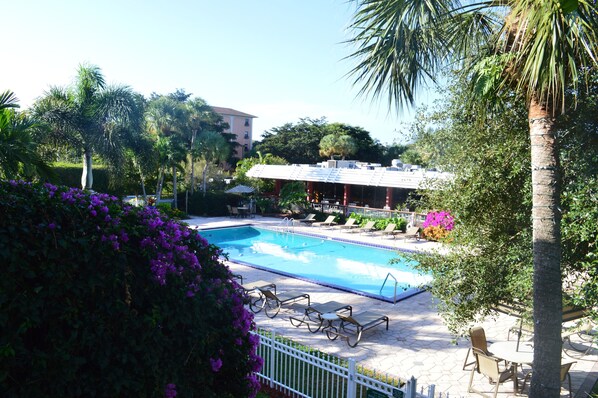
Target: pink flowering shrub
[(438, 224), (99, 299)]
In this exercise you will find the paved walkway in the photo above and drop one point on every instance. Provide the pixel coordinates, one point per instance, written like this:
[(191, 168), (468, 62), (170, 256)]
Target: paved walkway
[(417, 343)]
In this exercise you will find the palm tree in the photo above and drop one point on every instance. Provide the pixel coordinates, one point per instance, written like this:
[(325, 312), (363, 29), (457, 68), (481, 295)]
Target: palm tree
[(18, 155), (533, 47), (165, 120), (201, 118), (212, 148), (89, 116)]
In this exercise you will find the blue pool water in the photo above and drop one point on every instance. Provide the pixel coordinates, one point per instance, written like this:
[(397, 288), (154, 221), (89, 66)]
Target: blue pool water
[(351, 267)]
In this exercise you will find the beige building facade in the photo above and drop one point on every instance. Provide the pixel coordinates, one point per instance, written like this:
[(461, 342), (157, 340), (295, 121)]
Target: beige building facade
[(240, 124)]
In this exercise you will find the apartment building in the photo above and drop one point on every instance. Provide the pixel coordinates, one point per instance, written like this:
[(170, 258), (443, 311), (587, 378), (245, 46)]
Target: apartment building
[(240, 124)]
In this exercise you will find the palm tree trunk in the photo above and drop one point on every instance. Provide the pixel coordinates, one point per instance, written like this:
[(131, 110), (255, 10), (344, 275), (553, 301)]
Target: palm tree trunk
[(87, 175), (204, 175), (547, 283), (160, 182), (192, 179), (174, 192)]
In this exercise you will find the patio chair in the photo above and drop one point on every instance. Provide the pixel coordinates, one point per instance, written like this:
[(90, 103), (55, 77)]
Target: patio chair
[(348, 225), (309, 219), (368, 227), (564, 376), (477, 336), (234, 211), (388, 231), (313, 314), (273, 302), (355, 325), (328, 222), (252, 290), (488, 366), (586, 332), (230, 211), (411, 233)]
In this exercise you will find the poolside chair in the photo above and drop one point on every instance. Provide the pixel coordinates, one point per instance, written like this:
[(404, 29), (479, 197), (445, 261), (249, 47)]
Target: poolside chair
[(564, 376), (368, 227), (488, 367), (352, 326), (309, 219), (586, 332), (234, 211), (313, 314), (388, 231), (252, 290), (411, 232), (328, 222), (348, 225), (273, 302)]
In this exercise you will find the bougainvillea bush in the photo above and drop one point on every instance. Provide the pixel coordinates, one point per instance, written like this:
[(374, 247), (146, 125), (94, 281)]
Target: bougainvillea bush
[(103, 300), (438, 224)]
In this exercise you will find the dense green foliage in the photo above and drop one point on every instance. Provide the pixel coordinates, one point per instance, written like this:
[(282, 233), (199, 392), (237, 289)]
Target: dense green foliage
[(102, 300), (293, 197), (299, 143), (212, 204), (490, 196), (18, 150)]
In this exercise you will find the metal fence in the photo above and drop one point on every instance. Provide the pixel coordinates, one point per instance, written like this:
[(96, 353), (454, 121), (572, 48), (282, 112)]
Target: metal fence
[(300, 371)]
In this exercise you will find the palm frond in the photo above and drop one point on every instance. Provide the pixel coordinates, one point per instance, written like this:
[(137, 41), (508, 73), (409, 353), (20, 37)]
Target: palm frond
[(551, 44), (8, 99)]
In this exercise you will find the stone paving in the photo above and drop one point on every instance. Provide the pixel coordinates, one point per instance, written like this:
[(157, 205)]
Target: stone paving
[(417, 343)]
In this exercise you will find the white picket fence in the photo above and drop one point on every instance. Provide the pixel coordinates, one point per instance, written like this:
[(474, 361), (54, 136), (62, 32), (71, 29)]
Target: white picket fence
[(289, 368)]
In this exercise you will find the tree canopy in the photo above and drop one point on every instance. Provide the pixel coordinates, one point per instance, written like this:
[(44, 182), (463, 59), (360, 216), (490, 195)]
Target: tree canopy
[(299, 143)]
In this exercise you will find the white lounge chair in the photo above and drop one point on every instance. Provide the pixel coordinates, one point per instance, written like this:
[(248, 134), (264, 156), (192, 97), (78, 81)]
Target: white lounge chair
[(329, 222)]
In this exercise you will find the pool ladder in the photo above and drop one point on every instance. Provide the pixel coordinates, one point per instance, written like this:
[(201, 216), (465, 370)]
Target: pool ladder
[(287, 224), (396, 283)]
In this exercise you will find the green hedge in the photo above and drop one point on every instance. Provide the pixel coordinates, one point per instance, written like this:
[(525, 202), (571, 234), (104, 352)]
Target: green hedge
[(70, 175), (213, 204)]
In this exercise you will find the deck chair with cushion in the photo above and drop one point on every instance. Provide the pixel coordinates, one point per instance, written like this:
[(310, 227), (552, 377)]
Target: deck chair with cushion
[(272, 302), (313, 314), (352, 326), (329, 222), (488, 366)]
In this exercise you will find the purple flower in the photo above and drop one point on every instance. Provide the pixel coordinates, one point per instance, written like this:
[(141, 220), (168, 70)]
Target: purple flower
[(52, 226), (216, 364), (170, 391)]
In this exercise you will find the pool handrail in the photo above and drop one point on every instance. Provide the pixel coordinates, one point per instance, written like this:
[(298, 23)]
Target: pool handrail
[(396, 283)]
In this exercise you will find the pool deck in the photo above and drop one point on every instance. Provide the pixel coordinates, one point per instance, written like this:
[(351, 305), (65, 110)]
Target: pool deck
[(417, 343)]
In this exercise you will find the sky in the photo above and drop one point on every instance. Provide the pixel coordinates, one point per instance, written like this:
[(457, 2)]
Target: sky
[(279, 60)]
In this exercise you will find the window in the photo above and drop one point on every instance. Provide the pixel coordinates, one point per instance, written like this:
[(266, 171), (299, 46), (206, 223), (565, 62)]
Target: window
[(246, 134), (246, 148), (246, 121)]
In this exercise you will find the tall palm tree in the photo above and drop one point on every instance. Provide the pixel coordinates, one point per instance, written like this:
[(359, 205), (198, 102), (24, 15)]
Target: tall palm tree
[(201, 118), (89, 116), (18, 155), (166, 120), (534, 47), (212, 148)]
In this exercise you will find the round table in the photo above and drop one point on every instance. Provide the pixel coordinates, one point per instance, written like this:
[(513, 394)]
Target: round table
[(508, 350)]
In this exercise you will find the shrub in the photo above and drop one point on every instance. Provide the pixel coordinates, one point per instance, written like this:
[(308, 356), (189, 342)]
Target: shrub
[(438, 225), (98, 299)]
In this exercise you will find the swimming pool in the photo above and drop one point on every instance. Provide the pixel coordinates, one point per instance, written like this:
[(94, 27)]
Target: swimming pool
[(355, 268)]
